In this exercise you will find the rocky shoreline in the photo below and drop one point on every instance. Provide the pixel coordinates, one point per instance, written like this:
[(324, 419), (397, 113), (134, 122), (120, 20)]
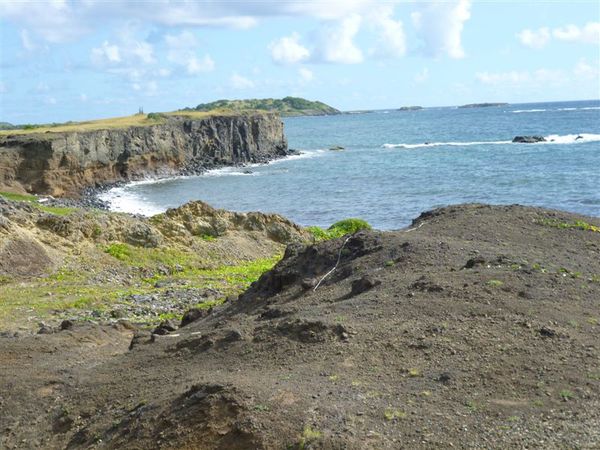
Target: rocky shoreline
[(64, 164)]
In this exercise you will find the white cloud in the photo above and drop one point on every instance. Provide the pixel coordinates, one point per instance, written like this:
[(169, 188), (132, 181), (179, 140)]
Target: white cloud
[(50, 101), (287, 50), (422, 76), (149, 88), (440, 25), (83, 98), (336, 42), (164, 72), (392, 40), (534, 39), (586, 71), (61, 21), (512, 77), (581, 72), (239, 82), (183, 52), (588, 34), (26, 41), (306, 75), (106, 54)]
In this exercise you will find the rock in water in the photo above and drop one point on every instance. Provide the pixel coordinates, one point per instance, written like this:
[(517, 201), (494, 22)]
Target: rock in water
[(529, 139)]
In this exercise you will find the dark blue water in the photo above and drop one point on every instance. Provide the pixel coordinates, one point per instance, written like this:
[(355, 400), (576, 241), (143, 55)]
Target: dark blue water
[(388, 175)]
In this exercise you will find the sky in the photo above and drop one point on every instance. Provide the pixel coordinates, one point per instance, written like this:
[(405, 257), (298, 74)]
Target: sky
[(64, 60)]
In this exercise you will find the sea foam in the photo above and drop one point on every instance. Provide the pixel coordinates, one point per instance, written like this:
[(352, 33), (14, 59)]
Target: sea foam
[(551, 139)]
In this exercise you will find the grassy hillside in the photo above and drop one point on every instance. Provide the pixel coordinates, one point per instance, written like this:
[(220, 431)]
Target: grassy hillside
[(288, 106)]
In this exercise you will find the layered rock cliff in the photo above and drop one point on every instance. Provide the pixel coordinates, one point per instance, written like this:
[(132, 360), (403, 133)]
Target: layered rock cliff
[(63, 163)]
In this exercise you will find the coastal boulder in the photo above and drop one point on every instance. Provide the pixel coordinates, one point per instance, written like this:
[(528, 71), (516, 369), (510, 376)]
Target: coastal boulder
[(528, 139)]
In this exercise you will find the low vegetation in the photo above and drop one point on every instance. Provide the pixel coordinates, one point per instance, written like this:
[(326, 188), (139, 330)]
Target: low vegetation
[(287, 106), (577, 225), (35, 202), (339, 229)]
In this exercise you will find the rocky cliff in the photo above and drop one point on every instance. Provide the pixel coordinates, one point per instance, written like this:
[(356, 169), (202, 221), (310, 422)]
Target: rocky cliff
[(63, 163)]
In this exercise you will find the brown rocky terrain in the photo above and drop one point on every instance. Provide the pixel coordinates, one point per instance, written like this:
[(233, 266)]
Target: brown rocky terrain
[(477, 327), (63, 163)]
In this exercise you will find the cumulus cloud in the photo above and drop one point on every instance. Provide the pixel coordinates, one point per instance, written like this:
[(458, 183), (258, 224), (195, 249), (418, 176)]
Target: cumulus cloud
[(60, 21), (336, 42), (512, 77), (534, 38), (588, 34), (183, 52), (392, 40), (26, 41), (239, 82), (288, 50), (422, 76), (306, 75), (537, 39), (106, 54), (55, 21), (440, 25), (587, 71), (581, 72)]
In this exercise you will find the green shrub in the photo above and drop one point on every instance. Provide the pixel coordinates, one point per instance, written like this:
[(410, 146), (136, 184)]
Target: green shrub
[(156, 116), (338, 229), (348, 226), (119, 251)]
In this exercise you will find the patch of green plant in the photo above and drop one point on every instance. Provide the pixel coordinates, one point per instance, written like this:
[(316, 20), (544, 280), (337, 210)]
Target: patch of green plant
[(18, 197), (261, 408), (57, 210), (494, 283), (393, 414), (566, 395), (471, 405), (578, 224), (309, 435), (208, 238), (118, 250), (338, 229), (318, 233), (156, 116)]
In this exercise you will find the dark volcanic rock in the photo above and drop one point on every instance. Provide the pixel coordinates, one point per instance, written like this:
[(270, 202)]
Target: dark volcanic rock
[(64, 163), (194, 314), (528, 139)]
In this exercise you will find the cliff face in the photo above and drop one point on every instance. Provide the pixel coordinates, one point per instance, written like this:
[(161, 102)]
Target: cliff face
[(64, 163)]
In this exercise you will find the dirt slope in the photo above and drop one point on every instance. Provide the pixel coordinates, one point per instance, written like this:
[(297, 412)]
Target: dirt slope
[(476, 328)]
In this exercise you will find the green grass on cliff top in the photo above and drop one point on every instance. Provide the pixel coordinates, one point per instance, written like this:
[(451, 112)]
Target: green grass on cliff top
[(136, 120), (288, 106)]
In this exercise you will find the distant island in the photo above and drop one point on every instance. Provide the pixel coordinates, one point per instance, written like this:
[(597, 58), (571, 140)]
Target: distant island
[(287, 106), (410, 108), (482, 105)]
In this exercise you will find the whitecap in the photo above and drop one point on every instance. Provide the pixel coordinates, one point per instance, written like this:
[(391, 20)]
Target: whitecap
[(120, 199), (571, 138), (445, 144)]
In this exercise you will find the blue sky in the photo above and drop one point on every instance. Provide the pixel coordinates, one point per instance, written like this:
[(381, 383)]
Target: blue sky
[(64, 60)]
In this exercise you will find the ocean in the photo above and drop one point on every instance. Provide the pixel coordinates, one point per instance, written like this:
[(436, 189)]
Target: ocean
[(397, 164)]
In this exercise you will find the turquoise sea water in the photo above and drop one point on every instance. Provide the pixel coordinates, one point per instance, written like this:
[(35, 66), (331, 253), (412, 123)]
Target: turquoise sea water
[(397, 164)]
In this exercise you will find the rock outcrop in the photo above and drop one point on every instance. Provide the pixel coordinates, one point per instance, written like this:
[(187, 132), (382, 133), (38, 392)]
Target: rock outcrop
[(63, 163), (528, 139)]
